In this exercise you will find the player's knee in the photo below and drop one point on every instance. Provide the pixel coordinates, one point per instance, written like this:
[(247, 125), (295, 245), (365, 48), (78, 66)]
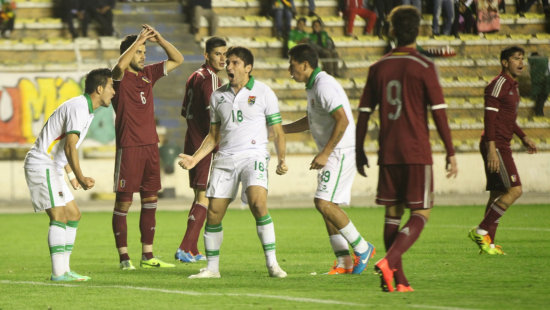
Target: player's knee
[(516, 192), (321, 205), (123, 201), (148, 197)]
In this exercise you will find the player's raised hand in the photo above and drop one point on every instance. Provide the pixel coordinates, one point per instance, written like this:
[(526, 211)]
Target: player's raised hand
[(187, 161), (451, 167), (281, 167), (146, 33), (155, 35), (87, 183), (361, 161)]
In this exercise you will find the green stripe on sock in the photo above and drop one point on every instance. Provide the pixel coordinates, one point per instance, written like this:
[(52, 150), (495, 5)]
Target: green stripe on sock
[(49, 187), (69, 247), (213, 228), (264, 220), (73, 224), (356, 242), (57, 249), (212, 253), (341, 253), (269, 246), (58, 224)]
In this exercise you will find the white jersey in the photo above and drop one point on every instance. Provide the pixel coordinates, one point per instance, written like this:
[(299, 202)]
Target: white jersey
[(324, 96), (244, 117), (73, 116)]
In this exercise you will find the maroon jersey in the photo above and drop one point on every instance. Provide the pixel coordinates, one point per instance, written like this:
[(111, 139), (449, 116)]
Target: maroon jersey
[(196, 105), (405, 84), (134, 107), (501, 111)]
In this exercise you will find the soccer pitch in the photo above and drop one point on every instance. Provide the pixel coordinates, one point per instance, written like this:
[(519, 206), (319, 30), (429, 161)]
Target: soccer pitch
[(443, 266)]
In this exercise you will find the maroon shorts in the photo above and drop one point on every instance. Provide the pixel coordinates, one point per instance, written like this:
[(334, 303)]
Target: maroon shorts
[(411, 185), (137, 168), (198, 176), (507, 176)]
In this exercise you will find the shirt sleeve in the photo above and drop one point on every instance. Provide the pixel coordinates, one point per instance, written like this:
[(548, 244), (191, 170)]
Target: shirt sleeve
[(434, 90), (273, 115), (329, 98), (76, 119), (214, 117), (492, 106), (156, 71)]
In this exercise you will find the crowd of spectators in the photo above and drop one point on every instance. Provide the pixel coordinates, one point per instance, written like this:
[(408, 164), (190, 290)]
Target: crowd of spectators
[(85, 11)]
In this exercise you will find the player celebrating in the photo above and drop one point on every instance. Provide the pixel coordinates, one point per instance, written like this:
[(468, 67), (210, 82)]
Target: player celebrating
[(405, 85), (196, 105), (503, 182), (137, 167), (54, 149), (241, 113), (330, 120)]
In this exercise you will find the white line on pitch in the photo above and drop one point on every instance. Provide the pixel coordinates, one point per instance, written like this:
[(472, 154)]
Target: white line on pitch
[(194, 293)]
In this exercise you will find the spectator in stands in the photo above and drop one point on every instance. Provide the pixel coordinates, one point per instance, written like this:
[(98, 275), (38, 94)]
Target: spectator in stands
[(311, 7), (383, 8), (416, 3), (7, 18), (282, 9), (447, 8), (204, 8), (524, 7), (298, 35), (102, 12), (325, 47), (350, 8), (540, 81), (465, 17), (72, 9), (488, 19)]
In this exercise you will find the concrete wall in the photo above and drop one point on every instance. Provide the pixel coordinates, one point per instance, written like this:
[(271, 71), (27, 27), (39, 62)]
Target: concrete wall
[(299, 182)]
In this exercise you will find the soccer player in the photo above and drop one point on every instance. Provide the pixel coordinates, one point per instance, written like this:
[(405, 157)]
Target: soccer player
[(55, 149), (241, 113), (195, 110), (404, 84), (330, 121), (503, 182), (137, 167)]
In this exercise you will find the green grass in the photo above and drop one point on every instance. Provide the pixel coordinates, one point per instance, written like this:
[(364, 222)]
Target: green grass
[(443, 266)]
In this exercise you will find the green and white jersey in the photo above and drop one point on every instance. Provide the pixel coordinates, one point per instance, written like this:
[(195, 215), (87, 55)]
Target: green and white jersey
[(324, 96), (73, 116), (244, 117)]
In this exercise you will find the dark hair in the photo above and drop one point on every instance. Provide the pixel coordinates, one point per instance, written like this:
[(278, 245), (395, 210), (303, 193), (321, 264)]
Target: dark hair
[(506, 53), (304, 52), (127, 42), (405, 21), (96, 78), (302, 19), (214, 42), (243, 53), (319, 21)]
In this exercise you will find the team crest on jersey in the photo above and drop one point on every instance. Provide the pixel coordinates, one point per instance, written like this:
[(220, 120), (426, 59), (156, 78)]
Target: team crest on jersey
[(513, 178), (60, 194), (122, 183), (251, 100), (145, 79)]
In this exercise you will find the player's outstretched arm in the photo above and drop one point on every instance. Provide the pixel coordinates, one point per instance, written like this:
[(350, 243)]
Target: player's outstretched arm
[(280, 147), (297, 126), (175, 58), (207, 146), (72, 157)]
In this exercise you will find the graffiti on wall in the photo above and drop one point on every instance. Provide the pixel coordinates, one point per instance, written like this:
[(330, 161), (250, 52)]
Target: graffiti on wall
[(27, 100)]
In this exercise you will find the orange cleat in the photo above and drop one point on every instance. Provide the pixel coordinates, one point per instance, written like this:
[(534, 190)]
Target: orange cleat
[(404, 289), (383, 269), (335, 270)]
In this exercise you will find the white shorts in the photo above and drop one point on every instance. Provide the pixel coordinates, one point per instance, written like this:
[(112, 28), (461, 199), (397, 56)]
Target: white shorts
[(334, 181), (227, 172), (48, 188)]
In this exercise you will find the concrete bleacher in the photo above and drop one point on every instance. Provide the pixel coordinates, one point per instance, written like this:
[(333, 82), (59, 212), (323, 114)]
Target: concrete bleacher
[(42, 43)]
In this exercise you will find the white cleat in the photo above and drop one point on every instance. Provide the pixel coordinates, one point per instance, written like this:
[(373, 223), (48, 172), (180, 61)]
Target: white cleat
[(205, 274), (276, 272)]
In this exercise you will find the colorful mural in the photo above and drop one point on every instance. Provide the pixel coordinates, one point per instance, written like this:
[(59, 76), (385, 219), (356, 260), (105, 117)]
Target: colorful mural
[(28, 99)]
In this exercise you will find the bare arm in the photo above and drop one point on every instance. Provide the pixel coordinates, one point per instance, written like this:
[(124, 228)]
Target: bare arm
[(297, 126), (175, 58), (320, 160), (72, 157), (280, 147), (207, 146), (360, 133), (72, 177), (126, 58)]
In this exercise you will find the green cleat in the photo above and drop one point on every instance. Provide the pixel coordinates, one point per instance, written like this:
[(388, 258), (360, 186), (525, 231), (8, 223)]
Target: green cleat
[(66, 277), (127, 265), (483, 241), (78, 277), (155, 263), (497, 250)]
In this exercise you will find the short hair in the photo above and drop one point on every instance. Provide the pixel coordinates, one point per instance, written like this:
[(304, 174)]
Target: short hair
[(507, 52), (405, 21), (96, 78), (317, 21), (127, 42), (302, 19), (305, 52), (214, 42), (243, 53)]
